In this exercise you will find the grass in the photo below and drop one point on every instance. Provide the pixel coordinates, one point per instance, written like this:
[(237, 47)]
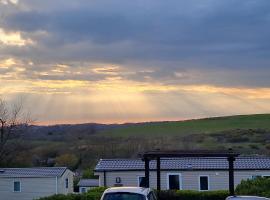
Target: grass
[(207, 125)]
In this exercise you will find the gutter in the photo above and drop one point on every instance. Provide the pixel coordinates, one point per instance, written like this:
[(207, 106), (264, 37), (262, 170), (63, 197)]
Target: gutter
[(141, 170)]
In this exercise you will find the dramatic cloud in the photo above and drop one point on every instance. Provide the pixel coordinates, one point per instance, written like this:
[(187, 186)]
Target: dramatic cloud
[(13, 39), (201, 52)]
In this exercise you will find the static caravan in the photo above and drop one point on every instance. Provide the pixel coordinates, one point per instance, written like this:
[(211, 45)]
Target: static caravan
[(194, 173), (33, 183)]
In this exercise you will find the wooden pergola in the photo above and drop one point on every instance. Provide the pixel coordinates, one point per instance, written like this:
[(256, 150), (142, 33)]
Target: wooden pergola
[(157, 155)]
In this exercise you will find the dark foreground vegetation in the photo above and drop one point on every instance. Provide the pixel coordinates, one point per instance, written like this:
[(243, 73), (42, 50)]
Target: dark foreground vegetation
[(94, 194), (258, 187), (80, 146), (162, 195), (255, 187)]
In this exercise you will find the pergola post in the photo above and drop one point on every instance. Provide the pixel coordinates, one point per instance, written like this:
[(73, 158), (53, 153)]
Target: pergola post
[(158, 173), (231, 175), (147, 173)]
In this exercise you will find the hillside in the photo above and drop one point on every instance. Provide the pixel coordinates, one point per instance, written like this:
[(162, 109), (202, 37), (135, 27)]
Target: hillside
[(207, 125), (82, 145)]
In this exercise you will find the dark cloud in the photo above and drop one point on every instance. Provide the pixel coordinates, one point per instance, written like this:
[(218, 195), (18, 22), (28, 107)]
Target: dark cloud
[(166, 36)]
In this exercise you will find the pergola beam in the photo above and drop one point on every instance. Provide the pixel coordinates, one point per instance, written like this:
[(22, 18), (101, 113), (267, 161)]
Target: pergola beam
[(157, 155), (175, 154)]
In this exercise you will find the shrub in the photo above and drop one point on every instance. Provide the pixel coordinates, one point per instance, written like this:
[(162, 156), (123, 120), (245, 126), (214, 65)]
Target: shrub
[(258, 187), (192, 195), (61, 197), (94, 194)]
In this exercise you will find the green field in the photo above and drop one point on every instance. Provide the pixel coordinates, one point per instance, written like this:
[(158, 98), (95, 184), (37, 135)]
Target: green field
[(207, 125), (82, 148)]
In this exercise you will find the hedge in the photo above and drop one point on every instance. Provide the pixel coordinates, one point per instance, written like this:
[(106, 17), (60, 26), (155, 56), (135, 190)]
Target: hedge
[(258, 187), (192, 195), (96, 193)]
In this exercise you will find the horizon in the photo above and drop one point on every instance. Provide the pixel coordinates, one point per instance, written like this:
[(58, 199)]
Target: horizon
[(96, 61), (143, 122)]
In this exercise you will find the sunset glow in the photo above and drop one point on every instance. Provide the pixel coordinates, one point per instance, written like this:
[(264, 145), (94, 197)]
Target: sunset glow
[(13, 38)]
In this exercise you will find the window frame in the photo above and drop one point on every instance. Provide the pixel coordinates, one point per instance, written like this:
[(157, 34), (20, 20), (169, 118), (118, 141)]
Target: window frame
[(208, 182), (83, 189), (20, 184), (180, 180)]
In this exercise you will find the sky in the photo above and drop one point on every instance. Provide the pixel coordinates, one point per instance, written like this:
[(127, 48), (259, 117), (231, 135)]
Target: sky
[(123, 61)]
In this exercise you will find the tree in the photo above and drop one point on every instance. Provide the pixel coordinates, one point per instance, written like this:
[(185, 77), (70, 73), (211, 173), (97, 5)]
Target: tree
[(13, 122), (68, 160), (88, 173)]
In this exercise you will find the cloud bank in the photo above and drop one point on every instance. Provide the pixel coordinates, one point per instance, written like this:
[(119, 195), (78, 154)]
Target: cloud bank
[(193, 50)]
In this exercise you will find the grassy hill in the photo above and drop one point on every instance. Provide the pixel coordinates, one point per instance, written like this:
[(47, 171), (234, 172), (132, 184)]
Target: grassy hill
[(207, 125), (82, 145)]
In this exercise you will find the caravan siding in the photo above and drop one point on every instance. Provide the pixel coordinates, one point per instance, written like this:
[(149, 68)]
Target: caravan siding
[(218, 180), (62, 189), (35, 187), (30, 188)]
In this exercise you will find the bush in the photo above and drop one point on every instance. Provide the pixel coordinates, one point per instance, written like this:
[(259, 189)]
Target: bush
[(94, 194), (258, 187), (192, 195), (63, 197)]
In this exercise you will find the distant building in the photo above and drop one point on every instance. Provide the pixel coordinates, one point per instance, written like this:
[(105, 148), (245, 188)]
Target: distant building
[(181, 173), (87, 184), (33, 183)]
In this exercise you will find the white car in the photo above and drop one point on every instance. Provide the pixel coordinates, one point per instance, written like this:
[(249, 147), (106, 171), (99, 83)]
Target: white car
[(128, 193), (246, 198)]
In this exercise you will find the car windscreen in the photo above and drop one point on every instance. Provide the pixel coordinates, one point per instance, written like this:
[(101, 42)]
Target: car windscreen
[(123, 196)]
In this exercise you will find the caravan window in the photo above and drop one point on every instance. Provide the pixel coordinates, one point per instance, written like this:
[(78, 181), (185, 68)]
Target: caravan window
[(141, 181), (173, 181), (66, 182), (17, 186), (204, 183)]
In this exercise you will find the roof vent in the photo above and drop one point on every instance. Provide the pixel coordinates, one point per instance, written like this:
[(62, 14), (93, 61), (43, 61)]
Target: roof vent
[(189, 166), (2, 171)]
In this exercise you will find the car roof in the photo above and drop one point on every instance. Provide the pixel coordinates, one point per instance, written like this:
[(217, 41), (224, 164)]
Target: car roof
[(138, 190), (246, 198)]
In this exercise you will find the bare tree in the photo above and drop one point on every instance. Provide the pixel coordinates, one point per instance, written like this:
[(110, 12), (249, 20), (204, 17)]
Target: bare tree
[(13, 122)]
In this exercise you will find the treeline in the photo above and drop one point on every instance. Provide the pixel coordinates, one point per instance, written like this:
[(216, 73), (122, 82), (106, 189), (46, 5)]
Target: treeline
[(84, 151)]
